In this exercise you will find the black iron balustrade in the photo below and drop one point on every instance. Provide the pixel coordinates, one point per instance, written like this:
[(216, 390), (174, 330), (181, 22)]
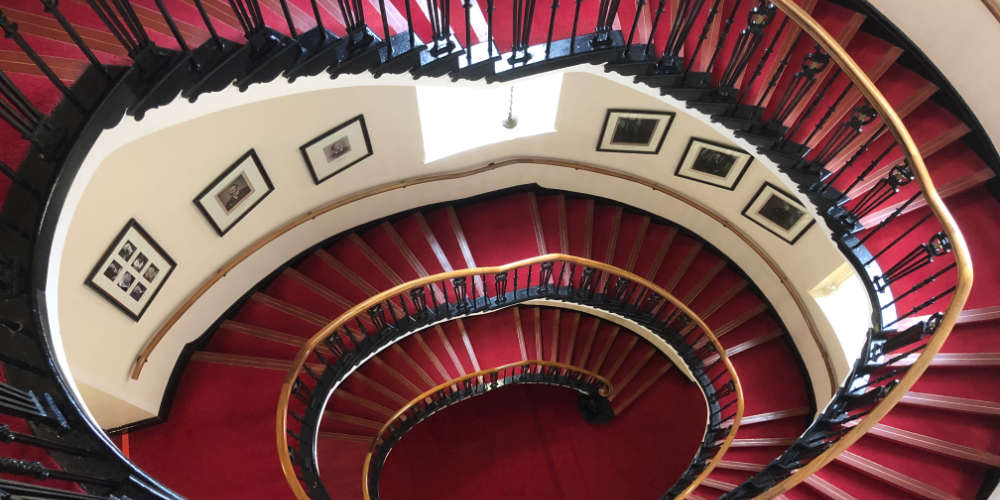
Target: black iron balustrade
[(374, 325), (873, 376), (593, 393), (722, 87)]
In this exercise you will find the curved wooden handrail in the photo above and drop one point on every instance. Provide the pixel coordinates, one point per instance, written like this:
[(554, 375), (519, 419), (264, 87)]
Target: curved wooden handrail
[(607, 391), (962, 259), (281, 422), (772, 264)]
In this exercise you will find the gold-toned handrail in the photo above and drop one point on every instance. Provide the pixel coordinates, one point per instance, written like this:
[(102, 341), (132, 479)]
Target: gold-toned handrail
[(963, 262), (281, 422), (606, 391)]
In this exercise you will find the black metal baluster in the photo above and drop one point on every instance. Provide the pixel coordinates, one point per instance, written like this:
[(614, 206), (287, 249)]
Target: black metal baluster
[(927, 281), (871, 166), (242, 16), (898, 239), (439, 14), (52, 7), (898, 177), (176, 32), (750, 37), (916, 259), (39, 471), (808, 113), (631, 32), (208, 25), (650, 43), (524, 14), (131, 20), (845, 134), (552, 24), (16, 179), (605, 19), (778, 72), (927, 303), (763, 61), (724, 33), (802, 81), (467, 5), (490, 7), (110, 20), (712, 12), (500, 286), (899, 210), (576, 22), (670, 61), (10, 31), (16, 109), (288, 19), (850, 163), (385, 28)]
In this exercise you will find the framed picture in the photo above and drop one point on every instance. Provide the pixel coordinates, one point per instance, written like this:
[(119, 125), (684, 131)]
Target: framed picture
[(338, 149), (713, 163), (779, 212), (131, 271), (634, 131), (232, 195)]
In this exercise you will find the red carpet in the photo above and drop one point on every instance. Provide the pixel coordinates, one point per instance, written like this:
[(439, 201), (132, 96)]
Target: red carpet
[(531, 442), (229, 410)]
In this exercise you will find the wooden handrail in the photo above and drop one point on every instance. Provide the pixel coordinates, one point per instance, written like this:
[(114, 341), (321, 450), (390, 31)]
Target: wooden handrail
[(281, 422), (606, 391), (895, 125)]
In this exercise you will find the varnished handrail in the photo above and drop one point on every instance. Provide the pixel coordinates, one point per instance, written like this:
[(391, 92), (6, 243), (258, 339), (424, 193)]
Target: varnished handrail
[(606, 391), (281, 422), (962, 259)]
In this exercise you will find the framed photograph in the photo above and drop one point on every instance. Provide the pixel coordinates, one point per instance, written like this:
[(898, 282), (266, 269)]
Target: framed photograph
[(779, 212), (634, 131), (713, 163), (232, 195), (338, 149), (131, 271)]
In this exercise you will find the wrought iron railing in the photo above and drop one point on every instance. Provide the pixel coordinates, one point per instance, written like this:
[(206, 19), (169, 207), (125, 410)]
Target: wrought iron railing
[(594, 393), (814, 112), (373, 325)]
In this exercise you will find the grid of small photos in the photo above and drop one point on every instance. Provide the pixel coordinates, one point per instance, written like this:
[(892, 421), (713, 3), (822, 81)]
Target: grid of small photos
[(132, 270)]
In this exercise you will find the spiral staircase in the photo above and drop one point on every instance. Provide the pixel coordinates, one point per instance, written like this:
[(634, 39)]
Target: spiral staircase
[(531, 342)]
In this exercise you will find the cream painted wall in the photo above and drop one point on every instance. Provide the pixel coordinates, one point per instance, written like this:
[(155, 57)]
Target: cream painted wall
[(962, 38), (153, 169)]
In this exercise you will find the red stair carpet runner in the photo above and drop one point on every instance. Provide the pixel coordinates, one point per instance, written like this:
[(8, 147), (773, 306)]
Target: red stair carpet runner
[(218, 442)]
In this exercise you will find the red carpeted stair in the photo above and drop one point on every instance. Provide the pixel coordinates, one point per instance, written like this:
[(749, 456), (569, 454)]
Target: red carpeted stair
[(660, 416), (935, 444)]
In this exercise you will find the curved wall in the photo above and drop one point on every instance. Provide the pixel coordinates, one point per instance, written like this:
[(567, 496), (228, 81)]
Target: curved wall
[(961, 38), (154, 169)]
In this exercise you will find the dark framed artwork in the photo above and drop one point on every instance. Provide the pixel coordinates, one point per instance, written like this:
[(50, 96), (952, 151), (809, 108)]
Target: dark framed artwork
[(337, 149), (713, 163), (234, 193), (779, 213), (634, 131), (132, 270)]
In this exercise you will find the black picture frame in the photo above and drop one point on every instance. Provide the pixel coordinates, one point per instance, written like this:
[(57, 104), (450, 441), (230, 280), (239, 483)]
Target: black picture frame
[(326, 135), (252, 154), (670, 116), (115, 243), (729, 187), (789, 237)]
